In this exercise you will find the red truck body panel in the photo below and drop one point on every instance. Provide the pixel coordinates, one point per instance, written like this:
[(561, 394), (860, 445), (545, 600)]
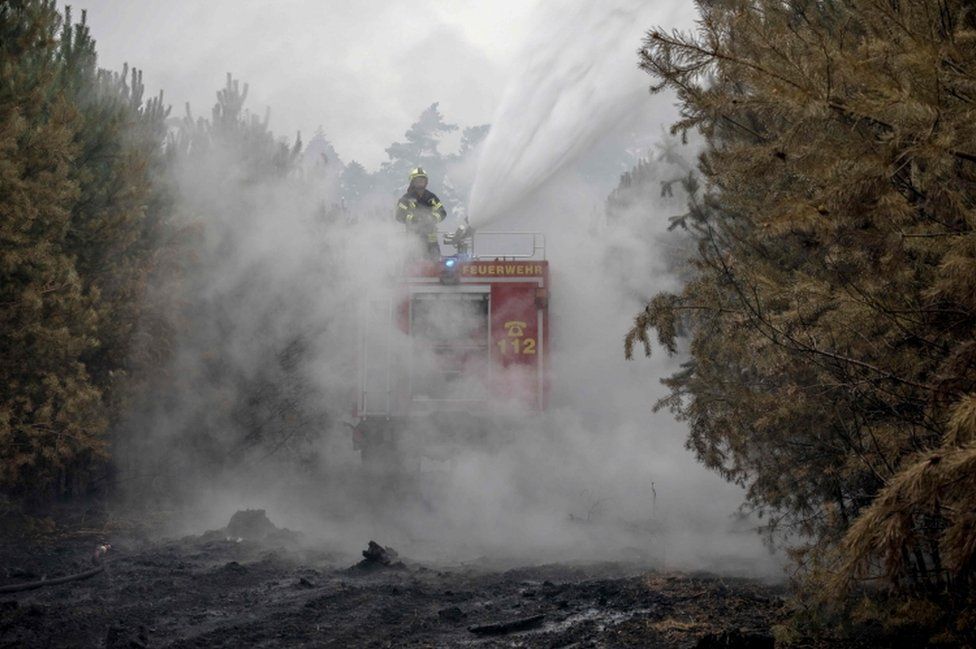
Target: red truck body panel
[(470, 337)]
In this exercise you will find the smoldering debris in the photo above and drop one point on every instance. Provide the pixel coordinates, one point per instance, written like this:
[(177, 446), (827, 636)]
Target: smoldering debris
[(252, 525), (377, 557)]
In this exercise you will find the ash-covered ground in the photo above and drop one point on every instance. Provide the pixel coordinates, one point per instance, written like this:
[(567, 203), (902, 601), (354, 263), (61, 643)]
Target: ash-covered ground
[(254, 585)]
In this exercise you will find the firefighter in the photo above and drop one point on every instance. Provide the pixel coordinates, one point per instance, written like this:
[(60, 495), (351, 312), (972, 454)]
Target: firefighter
[(421, 211)]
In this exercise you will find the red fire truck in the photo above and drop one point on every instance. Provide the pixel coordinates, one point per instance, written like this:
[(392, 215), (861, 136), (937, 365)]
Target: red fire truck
[(454, 348)]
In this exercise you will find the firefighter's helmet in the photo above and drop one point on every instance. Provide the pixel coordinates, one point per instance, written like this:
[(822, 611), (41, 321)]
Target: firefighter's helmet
[(417, 172)]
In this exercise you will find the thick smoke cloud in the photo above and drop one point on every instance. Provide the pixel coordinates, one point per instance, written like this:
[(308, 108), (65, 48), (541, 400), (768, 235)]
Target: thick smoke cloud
[(597, 477)]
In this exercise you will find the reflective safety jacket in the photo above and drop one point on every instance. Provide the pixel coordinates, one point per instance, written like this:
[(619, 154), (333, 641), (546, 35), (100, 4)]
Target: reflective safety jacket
[(419, 208)]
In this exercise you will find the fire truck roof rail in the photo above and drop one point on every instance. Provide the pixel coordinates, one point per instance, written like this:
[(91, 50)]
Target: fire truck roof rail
[(508, 245)]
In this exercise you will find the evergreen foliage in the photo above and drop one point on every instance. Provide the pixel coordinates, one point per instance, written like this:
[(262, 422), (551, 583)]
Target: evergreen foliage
[(120, 224), (78, 221), (365, 192), (319, 151), (420, 148), (355, 183), (832, 307), (118, 229), (236, 386), (471, 137)]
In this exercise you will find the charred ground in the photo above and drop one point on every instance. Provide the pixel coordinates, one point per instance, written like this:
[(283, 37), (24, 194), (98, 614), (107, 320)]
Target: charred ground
[(222, 590)]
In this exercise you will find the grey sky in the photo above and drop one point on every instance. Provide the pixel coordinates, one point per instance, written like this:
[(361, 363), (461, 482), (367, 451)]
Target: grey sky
[(362, 70)]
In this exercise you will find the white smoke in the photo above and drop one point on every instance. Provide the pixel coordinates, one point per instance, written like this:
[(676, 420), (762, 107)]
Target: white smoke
[(597, 477)]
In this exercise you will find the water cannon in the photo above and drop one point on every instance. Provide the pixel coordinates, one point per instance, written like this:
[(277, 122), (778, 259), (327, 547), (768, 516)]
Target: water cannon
[(460, 239)]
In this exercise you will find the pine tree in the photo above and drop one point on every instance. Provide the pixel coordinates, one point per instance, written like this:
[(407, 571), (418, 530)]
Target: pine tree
[(832, 307), (364, 191), (50, 414), (420, 149), (119, 224), (471, 137), (238, 386), (83, 225), (355, 183), (319, 151)]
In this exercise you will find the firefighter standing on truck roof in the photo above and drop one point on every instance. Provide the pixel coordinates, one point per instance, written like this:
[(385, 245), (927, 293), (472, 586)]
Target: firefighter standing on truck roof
[(421, 211)]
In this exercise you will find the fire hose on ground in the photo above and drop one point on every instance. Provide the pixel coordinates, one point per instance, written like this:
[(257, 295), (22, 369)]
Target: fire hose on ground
[(100, 551)]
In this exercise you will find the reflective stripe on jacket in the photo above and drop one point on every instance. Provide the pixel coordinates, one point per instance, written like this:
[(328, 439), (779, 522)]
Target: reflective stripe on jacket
[(415, 205)]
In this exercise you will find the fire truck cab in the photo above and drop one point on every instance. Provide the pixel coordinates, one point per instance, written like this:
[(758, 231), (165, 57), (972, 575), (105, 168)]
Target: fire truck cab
[(454, 349)]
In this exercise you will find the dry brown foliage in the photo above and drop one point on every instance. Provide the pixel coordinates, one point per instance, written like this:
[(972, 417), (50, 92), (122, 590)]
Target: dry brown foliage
[(832, 310)]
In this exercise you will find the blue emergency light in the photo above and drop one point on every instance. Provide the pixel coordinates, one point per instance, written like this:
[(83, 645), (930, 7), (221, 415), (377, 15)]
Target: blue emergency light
[(449, 267)]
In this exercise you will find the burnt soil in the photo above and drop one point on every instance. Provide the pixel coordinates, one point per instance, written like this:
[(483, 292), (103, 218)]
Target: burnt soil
[(216, 590)]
